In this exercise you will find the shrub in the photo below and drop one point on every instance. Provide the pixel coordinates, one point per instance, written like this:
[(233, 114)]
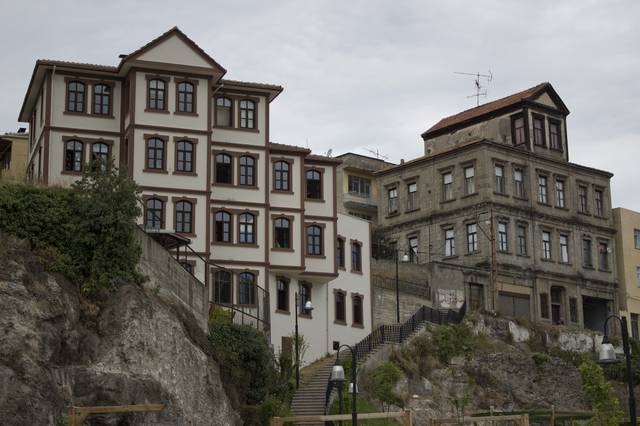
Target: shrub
[(84, 232), (382, 382), (540, 358), (451, 341), (605, 405)]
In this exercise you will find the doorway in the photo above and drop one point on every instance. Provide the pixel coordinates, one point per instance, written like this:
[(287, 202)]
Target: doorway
[(557, 305)]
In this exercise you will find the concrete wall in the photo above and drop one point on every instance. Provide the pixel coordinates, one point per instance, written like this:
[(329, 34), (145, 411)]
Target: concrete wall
[(628, 261), (171, 280)]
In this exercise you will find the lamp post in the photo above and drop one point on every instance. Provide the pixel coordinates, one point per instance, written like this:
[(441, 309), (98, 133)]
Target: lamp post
[(307, 307), (405, 259), (337, 376), (608, 356)]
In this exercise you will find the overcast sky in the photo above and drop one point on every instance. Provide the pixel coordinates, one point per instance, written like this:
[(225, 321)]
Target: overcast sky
[(371, 74)]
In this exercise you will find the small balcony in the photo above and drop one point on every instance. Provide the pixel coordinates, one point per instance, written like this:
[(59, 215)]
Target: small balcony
[(361, 201)]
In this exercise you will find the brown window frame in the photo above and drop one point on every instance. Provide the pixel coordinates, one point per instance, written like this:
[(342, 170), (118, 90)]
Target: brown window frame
[(108, 96), (253, 289), (275, 171), (193, 142), (247, 110), (194, 97), (216, 167), (107, 165), (231, 121), (163, 209), (164, 90), (73, 170), (357, 245), (321, 239), (558, 126), (360, 298), (320, 171), (216, 287), (192, 202), (340, 252), (85, 86), (165, 141), (275, 220), (287, 304), (336, 294), (215, 227), (514, 130), (543, 137), (254, 168), (254, 228)]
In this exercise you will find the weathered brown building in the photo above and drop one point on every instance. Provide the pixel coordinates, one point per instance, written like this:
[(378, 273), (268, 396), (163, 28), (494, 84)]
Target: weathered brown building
[(495, 214)]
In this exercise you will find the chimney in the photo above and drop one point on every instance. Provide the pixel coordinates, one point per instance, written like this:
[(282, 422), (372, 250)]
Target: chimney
[(402, 161)]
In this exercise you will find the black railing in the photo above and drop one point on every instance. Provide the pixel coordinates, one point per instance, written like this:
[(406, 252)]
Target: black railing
[(422, 290), (254, 313), (398, 333)]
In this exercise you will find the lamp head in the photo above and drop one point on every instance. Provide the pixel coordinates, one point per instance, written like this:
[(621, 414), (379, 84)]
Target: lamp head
[(607, 353), (308, 306), (405, 258), (337, 374), (351, 388)]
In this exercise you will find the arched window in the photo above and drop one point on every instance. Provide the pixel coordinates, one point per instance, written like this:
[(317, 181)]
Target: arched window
[(156, 95), (281, 180), (101, 99), (154, 215), (224, 169), (223, 227), (282, 297), (224, 112), (75, 96), (222, 287), (246, 225), (314, 240), (155, 154), (314, 184), (358, 312), (100, 155), (246, 288), (184, 156), (184, 217), (247, 170), (282, 231), (73, 156), (247, 111), (186, 99)]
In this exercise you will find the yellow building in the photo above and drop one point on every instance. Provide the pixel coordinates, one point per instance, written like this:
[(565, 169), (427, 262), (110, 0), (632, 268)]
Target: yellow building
[(13, 156), (627, 223)]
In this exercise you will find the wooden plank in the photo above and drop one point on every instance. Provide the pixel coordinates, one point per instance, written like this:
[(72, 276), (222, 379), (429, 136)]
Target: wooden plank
[(362, 416)]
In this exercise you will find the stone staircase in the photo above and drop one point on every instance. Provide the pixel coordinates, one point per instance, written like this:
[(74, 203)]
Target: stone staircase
[(310, 398)]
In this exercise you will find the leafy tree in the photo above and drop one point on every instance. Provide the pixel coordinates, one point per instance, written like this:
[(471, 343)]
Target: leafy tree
[(605, 405), (382, 383)]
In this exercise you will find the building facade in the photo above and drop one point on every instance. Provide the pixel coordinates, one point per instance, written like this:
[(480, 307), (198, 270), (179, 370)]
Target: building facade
[(357, 191), (13, 156), (261, 218), (495, 214), (627, 224)]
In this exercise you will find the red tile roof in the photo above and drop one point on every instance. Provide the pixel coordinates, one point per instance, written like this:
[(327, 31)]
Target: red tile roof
[(493, 106)]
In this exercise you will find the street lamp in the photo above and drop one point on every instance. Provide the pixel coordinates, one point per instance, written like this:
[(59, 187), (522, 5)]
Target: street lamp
[(405, 259), (337, 376), (608, 356), (307, 307)]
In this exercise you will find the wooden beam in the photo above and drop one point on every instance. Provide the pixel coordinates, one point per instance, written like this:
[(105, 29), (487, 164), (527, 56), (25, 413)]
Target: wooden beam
[(77, 415)]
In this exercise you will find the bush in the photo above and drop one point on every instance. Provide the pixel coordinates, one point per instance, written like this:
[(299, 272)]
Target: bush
[(605, 405), (540, 358), (84, 232), (382, 381), (258, 386), (452, 341)]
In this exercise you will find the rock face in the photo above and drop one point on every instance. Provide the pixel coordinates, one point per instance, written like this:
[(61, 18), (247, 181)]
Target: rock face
[(57, 350)]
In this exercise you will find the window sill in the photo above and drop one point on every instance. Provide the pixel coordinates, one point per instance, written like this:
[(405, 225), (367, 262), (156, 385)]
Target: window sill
[(316, 256), (356, 272), (355, 325), (282, 249), (561, 208), (455, 256), (337, 322), (564, 263), (608, 271), (314, 200), (188, 114), (412, 210), (447, 201), (547, 260), (217, 126), (109, 116), (185, 173), (254, 187), (396, 213), (161, 171), (277, 191), (589, 267), (526, 256), (584, 213), (222, 184), (473, 253), (502, 194), (75, 113), (544, 204), (560, 150), (306, 316), (280, 311), (245, 129), (470, 195), (248, 245), (157, 111), (507, 252), (66, 172), (515, 197), (222, 243)]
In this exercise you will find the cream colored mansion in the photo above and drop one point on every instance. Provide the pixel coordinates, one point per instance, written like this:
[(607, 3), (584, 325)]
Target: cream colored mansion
[(198, 146)]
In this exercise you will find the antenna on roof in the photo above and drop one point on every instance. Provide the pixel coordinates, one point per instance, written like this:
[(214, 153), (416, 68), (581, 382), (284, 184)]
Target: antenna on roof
[(328, 153), (479, 87), (377, 153)]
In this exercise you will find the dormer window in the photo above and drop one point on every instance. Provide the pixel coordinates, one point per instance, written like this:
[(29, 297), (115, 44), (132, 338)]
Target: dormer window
[(518, 130), (538, 130), (554, 135)]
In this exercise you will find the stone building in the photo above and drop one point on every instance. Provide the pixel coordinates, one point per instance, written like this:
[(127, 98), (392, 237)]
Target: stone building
[(261, 218), (627, 224), (494, 213), (355, 185)]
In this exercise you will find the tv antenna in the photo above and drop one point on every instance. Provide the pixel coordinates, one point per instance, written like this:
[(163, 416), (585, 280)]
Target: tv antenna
[(377, 154), (488, 77), (328, 153)]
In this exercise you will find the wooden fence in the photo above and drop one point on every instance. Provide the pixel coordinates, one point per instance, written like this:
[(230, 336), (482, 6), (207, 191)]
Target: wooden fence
[(518, 420)]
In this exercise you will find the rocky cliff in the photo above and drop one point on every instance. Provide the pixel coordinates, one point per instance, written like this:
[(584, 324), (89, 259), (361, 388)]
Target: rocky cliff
[(132, 347)]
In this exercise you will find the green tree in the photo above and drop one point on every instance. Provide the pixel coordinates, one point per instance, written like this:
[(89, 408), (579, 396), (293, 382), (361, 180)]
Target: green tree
[(382, 382), (605, 405)]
